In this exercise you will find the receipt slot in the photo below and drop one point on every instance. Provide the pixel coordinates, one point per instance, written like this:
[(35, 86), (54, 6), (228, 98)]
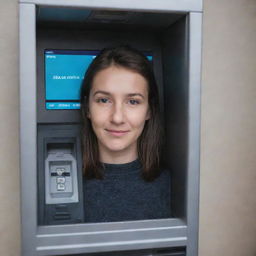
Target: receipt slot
[(58, 40)]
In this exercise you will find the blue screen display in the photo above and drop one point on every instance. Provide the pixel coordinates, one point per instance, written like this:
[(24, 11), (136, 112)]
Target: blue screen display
[(64, 73)]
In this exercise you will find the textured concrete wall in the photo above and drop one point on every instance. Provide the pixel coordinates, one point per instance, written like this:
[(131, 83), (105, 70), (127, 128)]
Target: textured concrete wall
[(228, 155)]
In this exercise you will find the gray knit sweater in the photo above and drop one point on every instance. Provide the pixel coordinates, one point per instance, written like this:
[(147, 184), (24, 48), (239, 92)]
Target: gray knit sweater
[(123, 195)]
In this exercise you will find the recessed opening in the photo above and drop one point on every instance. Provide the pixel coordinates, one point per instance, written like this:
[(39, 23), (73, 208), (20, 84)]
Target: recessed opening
[(164, 35)]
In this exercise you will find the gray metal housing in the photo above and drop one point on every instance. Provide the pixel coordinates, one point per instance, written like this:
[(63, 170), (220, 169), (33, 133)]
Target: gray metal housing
[(180, 73)]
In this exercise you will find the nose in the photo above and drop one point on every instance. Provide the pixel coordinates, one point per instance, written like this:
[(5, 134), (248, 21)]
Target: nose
[(117, 114)]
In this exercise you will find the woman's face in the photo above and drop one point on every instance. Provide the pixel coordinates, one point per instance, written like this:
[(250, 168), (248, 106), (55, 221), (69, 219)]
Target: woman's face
[(118, 109)]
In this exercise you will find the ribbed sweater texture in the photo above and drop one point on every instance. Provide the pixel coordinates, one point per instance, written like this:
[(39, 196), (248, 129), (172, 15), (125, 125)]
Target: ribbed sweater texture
[(123, 195)]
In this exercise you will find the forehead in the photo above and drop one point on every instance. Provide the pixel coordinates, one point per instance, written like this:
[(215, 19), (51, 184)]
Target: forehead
[(119, 80)]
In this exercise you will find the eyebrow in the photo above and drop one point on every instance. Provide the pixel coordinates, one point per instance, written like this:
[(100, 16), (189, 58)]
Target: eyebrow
[(129, 94), (102, 92), (135, 94)]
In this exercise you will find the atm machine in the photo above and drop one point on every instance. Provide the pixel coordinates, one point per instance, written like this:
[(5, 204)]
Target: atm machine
[(58, 41)]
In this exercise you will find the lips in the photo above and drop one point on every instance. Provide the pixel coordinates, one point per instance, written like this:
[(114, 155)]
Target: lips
[(117, 133)]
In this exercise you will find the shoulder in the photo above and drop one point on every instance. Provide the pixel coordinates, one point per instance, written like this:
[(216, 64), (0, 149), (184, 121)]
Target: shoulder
[(164, 173), (164, 178)]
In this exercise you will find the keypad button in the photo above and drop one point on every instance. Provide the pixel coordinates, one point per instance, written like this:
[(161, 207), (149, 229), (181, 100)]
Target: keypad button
[(61, 187), (61, 180), (60, 171)]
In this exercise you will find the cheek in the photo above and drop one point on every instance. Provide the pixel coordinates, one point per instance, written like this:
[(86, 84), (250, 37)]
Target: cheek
[(96, 115), (138, 119), (99, 119)]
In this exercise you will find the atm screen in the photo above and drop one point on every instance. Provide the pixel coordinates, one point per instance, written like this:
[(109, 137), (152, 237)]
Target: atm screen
[(64, 73)]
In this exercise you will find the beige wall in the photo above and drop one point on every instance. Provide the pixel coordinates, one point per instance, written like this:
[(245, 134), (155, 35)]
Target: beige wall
[(228, 154), (9, 129)]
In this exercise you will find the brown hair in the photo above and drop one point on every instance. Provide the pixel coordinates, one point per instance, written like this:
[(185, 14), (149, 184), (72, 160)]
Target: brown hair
[(150, 141)]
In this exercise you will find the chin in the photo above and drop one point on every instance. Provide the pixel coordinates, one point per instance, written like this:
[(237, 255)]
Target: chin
[(117, 148)]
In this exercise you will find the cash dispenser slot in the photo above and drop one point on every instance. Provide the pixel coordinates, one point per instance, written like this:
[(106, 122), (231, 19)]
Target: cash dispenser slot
[(178, 251), (59, 175)]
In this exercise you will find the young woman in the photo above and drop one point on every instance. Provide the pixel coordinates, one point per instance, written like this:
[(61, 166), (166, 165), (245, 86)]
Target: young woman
[(121, 139)]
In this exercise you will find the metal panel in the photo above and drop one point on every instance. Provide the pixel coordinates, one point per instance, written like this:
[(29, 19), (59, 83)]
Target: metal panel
[(71, 239), (175, 68), (28, 128), (113, 226), (150, 5), (111, 239), (195, 38), (58, 134)]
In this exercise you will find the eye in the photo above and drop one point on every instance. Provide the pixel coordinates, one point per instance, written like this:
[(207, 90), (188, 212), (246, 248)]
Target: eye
[(103, 100), (134, 102)]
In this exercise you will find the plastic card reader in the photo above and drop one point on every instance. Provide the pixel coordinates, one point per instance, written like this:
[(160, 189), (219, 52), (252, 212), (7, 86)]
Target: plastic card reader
[(61, 177)]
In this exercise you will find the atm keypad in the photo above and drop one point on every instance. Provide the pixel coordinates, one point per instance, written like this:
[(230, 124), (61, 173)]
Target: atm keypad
[(61, 183), (61, 180)]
